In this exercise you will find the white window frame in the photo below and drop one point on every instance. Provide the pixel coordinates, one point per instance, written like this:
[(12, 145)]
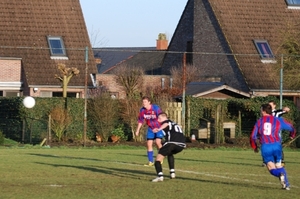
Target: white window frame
[(293, 4), (266, 56), (62, 49)]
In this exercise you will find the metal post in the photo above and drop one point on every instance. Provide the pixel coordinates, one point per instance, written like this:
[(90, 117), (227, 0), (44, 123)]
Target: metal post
[(85, 96), (281, 81), (183, 94)]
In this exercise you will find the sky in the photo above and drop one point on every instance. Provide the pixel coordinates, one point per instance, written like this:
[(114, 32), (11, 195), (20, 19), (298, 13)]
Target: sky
[(130, 23)]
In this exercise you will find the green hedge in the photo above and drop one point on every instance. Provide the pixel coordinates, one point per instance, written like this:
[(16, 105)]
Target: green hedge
[(15, 118)]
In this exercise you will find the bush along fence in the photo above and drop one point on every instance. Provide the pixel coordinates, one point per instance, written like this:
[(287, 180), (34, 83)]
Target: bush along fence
[(62, 119)]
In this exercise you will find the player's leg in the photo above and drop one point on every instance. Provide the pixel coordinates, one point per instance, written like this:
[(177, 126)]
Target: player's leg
[(171, 162), (282, 159), (174, 149), (159, 136), (158, 167), (150, 153)]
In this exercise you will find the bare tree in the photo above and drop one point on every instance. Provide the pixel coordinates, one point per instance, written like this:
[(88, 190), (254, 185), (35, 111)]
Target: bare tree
[(192, 74), (67, 74), (290, 48), (130, 78)]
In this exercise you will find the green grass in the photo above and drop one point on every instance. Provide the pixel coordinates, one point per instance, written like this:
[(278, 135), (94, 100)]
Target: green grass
[(119, 173)]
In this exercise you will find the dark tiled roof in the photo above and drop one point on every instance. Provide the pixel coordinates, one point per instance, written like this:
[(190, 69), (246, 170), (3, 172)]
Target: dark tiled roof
[(204, 88), (242, 21), (222, 27), (24, 28), (147, 58)]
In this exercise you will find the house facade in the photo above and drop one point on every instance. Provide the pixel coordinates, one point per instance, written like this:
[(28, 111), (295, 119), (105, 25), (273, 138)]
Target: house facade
[(236, 41), (36, 36)]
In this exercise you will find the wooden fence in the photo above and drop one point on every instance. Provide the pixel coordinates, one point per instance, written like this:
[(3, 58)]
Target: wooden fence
[(174, 111)]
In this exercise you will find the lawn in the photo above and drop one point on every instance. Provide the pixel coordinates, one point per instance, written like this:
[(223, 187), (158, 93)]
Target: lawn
[(118, 172)]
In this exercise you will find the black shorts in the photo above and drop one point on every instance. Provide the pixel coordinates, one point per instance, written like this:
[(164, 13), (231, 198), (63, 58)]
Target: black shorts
[(169, 149)]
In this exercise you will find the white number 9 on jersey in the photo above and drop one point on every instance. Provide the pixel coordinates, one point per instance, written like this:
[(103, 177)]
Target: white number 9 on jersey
[(267, 128)]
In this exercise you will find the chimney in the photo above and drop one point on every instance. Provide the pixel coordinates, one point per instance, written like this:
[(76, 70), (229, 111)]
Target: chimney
[(162, 42)]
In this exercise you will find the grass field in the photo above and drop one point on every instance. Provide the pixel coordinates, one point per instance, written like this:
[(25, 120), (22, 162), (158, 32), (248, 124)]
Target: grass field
[(118, 172)]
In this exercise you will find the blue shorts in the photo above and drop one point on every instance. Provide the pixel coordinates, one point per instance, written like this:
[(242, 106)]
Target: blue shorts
[(271, 152), (153, 136)]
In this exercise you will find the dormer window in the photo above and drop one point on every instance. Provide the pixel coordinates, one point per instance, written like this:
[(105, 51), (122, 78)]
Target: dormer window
[(57, 48), (264, 51), (293, 4)]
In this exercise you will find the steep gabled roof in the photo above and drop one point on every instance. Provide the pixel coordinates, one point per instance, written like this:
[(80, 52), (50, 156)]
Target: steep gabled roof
[(24, 28), (146, 57), (218, 29), (242, 21)]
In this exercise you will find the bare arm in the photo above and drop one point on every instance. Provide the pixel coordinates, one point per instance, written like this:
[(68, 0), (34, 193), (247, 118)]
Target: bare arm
[(160, 128), (138, 129)]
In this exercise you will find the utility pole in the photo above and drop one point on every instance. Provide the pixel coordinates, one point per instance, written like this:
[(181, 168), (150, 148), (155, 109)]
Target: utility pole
[(183, 93), (85, 96), (281, 81)]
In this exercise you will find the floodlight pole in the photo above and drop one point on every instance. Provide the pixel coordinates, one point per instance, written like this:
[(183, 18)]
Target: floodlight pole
[(85, 96), (281, 81)]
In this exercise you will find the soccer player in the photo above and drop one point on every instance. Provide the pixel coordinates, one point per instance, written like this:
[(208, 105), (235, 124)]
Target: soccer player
[(267, 129), (174, 143), (149, 114), (279, 113)]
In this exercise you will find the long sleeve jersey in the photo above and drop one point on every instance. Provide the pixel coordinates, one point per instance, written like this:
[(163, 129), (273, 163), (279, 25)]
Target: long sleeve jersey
[(150, 116), (268, 128)]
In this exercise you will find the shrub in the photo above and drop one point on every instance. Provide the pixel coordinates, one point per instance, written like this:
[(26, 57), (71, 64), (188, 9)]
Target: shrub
[(1, 138), (119, 131)]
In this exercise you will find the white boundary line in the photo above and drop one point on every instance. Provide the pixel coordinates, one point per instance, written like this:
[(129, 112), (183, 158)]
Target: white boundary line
[(214, 175)]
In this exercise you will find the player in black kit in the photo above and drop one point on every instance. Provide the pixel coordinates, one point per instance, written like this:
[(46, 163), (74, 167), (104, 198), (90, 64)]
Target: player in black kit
[(174, 143)]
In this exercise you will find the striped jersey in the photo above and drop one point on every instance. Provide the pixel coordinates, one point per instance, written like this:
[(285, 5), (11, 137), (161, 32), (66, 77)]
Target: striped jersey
[(267, 130), (150, 116), (278, 113), (173, 134)]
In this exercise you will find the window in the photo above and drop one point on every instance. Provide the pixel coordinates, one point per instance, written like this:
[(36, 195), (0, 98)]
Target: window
[(56, 46), (294, 4), (264, 49)]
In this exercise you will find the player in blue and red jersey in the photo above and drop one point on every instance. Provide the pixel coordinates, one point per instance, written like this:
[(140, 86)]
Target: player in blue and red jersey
[(267, 130), (279, 113), (149, 114)]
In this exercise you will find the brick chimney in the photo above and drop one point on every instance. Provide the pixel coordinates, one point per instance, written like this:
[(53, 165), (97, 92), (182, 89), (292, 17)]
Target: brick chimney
[(162, 42)]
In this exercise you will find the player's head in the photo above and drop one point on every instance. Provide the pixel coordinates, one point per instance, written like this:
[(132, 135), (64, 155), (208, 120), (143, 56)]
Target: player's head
[(146, 102), (162, 117), (272, 104), (266, 109)]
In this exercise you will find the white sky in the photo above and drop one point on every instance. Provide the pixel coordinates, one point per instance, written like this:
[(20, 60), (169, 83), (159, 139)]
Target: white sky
[(130, 23)]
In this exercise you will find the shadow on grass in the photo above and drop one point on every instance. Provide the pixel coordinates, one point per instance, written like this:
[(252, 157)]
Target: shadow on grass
[(132, 173), (201, 160), (65, 157), (137, 174)]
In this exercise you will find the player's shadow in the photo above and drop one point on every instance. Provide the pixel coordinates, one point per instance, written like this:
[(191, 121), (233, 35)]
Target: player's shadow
[(64, 157), (138, 174)]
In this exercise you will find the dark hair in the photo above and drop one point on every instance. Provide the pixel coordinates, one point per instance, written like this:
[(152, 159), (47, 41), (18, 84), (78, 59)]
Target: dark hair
[(272, 101), (267, 108), (146, 98), (163, 114)]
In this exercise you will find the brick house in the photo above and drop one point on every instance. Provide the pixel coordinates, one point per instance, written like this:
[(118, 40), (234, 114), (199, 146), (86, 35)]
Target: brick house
[(236, 41), (35, 36), (148, 58)]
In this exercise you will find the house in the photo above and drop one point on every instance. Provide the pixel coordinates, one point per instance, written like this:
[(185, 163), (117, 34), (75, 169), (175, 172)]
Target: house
[(148, 58), (236, 40), (36, 36), (214, 90)]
